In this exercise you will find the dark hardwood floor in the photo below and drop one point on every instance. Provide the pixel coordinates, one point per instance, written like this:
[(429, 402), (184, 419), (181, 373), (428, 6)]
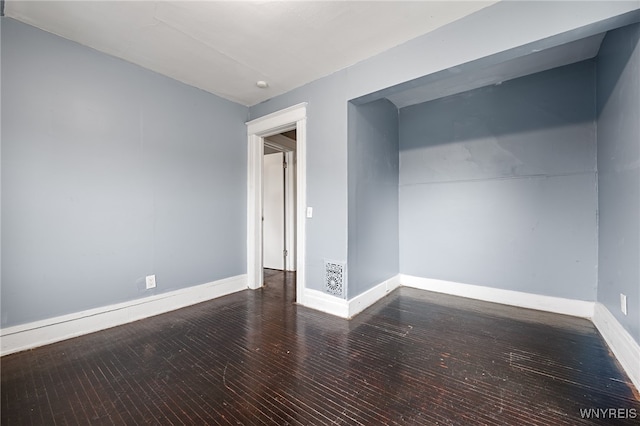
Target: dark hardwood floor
[(255, 357)]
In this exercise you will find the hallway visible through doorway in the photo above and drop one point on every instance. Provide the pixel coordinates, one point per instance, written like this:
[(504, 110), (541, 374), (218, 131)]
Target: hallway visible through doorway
[(279, 201)]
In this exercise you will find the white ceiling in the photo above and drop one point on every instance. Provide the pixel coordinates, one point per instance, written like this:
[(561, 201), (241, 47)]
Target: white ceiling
[(224, 47)]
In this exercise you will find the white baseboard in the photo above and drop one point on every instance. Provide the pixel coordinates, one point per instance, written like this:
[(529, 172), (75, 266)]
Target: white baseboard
[(371, 296), (576, 308), (320, 301), (623, 346), (38, 333), (348, 308)]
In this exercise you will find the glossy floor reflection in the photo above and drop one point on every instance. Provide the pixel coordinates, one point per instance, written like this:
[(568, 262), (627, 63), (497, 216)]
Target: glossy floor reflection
[(255, 357)]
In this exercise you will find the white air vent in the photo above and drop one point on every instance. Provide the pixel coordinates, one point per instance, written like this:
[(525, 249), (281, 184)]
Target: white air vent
[(335, 278)]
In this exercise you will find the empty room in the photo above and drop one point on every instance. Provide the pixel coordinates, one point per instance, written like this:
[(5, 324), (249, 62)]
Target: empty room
[(320, 212)]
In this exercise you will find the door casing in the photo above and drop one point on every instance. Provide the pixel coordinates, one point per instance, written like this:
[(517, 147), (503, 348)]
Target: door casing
[(294, 117)]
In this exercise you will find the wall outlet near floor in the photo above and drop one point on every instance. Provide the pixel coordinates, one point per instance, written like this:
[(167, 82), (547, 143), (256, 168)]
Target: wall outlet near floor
[(623, 303), (151, 281)]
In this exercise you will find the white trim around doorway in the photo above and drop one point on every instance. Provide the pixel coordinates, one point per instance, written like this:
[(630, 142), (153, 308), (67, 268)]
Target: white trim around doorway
[(294, 117)]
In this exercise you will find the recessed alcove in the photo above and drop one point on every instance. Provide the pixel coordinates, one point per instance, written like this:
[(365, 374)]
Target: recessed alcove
[(498, 165)]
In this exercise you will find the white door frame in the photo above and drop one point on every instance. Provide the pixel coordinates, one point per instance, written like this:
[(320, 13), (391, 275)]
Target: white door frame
[(290, 211), (294, 117)]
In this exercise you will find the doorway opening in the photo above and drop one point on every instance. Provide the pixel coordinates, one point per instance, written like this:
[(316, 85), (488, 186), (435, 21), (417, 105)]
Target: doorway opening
[(261, 135), (278, 207)]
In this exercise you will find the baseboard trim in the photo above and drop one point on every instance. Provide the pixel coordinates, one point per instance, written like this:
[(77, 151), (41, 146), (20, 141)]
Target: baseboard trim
[(39, 333), (623, 346), (559, 305), (320, 301), (371, 296), (327, 303)]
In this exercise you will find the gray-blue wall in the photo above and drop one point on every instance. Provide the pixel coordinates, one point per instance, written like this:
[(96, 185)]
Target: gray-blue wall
[(373, 195), (326, 169), (109, 173), (498, 185), (166, 186), (618, 93), (500, 32)]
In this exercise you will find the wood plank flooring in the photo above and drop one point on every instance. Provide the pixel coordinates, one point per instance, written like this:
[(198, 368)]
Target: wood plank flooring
[(256, 358)]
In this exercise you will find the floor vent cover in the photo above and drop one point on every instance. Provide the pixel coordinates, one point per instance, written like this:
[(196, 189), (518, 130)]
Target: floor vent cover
[(335, 278)]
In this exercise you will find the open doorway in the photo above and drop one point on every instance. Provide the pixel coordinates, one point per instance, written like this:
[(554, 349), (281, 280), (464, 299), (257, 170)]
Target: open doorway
[(279, 202), (259, 130)]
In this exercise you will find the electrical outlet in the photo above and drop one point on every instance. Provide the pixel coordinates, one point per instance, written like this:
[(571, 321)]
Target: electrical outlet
[(623, 303), (151, 281)]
